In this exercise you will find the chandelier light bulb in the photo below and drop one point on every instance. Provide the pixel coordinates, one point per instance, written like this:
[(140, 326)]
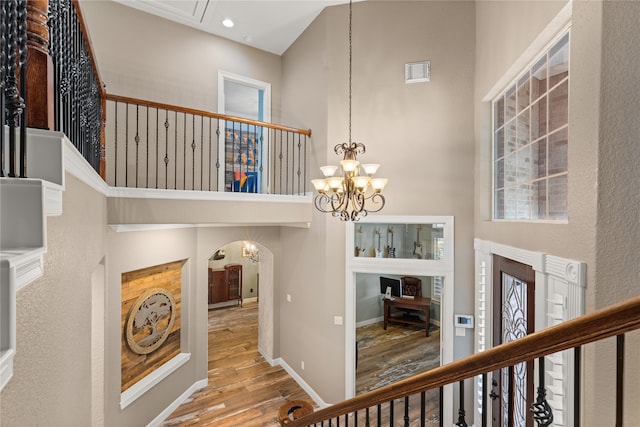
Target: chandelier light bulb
[(335, 183), (370, 168), (328, 170), (320, 185), (361, 182), (378, 184), (349, 165)]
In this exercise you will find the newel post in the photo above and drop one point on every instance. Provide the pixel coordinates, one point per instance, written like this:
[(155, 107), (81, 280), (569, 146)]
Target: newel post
[(39, 96)]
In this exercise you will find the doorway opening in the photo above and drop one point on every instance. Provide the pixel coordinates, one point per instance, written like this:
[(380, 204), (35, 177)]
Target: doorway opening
[(432, 266), (243, 146)]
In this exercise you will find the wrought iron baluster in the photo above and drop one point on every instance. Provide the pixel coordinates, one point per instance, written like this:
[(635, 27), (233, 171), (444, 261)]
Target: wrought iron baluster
[(126, 146), (484, 400), (304, 181), (577, 363), (22, 49), (218, 154), (391, 416), (619, 380), (157, 167), (193, 152), (542, 413), (184, 151), (299, 171), (146, 183), (511, 395), (175, 151), (379, 415), (137, 141), (280, 157), (423, 409), (115, 146), (14, 102), (261, 149), (441, 403), (201, 151), (461, 412), (166, 149), (3, 73), (286, 191), (406, 411), (366, 417)]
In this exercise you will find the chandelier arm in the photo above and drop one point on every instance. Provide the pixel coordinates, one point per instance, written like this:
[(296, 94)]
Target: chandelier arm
[(377, 198)]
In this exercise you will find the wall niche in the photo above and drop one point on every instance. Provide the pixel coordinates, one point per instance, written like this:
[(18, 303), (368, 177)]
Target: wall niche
[(151, 299)]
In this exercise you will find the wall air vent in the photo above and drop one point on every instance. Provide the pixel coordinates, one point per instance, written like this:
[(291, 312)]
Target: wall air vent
[(416, 72)]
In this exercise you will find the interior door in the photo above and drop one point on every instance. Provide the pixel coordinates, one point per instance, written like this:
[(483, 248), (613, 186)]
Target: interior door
[(513, 318)]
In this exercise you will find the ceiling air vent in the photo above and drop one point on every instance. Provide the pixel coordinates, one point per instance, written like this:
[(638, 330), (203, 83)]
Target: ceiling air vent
[(416, 72)]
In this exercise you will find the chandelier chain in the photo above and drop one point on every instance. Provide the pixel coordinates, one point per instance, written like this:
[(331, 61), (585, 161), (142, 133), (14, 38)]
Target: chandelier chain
[(350, 59)]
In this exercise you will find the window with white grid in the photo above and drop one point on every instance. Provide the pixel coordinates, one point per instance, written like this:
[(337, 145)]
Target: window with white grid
[(530, 140)]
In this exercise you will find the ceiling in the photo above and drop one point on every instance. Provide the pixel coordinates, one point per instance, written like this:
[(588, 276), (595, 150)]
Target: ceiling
[(268, 25)]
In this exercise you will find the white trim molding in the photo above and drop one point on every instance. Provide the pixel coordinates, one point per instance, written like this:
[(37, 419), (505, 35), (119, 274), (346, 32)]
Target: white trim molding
[(179, 401), (302, 383), (130, 395), (559, 296), (420, 267)]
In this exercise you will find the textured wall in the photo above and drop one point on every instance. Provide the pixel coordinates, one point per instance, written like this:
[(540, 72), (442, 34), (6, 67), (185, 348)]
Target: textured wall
[(145, 56), (603, 203), (52, 368), (422, 134)]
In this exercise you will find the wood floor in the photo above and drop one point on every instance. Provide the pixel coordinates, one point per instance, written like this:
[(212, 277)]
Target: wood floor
[(386, 356), (243, 390)]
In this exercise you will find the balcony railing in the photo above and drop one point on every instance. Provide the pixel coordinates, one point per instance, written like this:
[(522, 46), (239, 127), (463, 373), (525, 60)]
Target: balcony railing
[(49, 80), (402, 403), (154, 145)]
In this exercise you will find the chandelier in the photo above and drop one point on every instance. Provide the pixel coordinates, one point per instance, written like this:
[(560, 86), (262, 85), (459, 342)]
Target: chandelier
[(352, 193), (250, 250)]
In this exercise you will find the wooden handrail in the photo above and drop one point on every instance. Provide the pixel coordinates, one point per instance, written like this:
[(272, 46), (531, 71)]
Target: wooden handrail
[(615, 320), (161, 106)]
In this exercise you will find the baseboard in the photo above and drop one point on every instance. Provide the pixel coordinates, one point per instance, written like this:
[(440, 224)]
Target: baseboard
[(252, 299), (370, 321), (172, 407), (268, 358), (302, 383)]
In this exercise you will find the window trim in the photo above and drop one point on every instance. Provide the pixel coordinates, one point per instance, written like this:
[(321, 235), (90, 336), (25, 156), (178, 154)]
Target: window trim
[(561, 26)]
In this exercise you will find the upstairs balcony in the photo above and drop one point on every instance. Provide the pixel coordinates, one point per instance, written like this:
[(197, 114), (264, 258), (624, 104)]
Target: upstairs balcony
[(156, 163)]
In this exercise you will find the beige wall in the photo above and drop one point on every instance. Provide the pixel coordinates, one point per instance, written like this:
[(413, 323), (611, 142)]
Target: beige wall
[(422, 134), (603, 199), (128, 251), (143, 56), (51, 383)]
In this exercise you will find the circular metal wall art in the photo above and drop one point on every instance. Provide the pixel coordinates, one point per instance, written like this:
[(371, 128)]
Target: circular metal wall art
[(150, 320)]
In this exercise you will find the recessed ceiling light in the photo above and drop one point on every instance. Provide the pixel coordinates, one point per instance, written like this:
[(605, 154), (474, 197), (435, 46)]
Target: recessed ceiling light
[(227, 22)]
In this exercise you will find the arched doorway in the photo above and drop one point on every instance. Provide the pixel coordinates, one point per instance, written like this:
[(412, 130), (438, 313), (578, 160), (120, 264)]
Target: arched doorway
[(252, 264)]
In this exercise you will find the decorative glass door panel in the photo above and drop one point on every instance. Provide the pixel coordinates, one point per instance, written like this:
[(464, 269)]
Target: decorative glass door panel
[(513, 318), (514, 326)]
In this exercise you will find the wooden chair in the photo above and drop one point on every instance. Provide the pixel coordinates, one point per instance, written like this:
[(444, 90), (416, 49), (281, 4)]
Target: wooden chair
[(411, 286)]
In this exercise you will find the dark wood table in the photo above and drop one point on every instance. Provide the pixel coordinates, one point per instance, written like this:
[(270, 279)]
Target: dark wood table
[(417, 303)]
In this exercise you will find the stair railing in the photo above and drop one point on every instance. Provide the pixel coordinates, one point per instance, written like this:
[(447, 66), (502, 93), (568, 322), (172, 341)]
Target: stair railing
[(155, 145), (407, 394)]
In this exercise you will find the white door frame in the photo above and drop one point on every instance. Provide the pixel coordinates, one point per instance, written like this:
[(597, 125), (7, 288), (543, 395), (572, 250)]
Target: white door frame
[(443, 268), (225, 76)]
